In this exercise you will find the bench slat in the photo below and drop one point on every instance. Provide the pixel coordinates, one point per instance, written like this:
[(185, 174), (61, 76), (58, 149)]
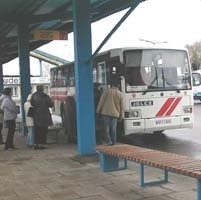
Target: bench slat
[(172, 162)]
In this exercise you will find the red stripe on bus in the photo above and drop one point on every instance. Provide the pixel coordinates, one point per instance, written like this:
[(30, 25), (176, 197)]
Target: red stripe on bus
[(165, 106), (58, 93), (62, 98), (174, 105)]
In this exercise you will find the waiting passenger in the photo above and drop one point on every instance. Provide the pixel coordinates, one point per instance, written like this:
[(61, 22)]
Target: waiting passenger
[(10, 114), (111, 108), (41, 103), (29, 122)]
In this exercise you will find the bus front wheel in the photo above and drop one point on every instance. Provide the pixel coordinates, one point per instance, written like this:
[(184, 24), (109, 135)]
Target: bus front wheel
[(158, 132)]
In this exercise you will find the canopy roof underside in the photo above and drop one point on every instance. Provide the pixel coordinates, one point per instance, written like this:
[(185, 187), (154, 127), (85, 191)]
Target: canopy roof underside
[(45, 15)]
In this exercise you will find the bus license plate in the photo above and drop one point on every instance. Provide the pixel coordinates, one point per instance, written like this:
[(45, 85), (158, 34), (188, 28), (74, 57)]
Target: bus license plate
[(163, 121)]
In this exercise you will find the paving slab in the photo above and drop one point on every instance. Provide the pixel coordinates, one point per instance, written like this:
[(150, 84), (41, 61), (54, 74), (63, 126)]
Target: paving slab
[(59, 173)]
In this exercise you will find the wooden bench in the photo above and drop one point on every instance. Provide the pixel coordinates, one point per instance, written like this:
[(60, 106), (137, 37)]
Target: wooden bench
[(110, 157)]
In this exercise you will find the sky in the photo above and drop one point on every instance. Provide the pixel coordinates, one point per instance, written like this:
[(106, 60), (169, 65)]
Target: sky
[(177, 22)]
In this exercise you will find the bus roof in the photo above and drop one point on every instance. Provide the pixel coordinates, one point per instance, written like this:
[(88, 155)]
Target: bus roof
[(116, 51)]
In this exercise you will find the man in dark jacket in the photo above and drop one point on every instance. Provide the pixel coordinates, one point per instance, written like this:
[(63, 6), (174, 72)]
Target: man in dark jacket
[(41, 103)]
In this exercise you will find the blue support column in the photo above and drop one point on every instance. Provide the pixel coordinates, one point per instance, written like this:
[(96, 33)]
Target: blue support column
[(83, 78), (198, 189), (24, 63), (110, 163), (1, 78)]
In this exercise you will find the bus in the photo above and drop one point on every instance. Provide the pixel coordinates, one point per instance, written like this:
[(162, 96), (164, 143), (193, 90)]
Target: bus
[(156, 84), (196, 75)]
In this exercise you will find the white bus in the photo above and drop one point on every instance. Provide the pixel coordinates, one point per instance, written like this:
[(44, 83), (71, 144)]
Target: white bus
[(156, 84), (196, 84)]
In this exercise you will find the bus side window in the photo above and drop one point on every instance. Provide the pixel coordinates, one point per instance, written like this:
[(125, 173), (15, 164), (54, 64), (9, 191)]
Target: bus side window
[(116, 71), (99, 74), (70, 76), (52, 81), (56, 77), (62, 77)]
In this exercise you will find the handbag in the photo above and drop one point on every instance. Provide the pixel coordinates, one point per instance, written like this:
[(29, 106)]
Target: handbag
[(30, 112)]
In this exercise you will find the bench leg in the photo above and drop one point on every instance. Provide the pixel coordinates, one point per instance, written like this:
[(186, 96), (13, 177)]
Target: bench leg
[(110, 163), (155, 182), (198, 189)]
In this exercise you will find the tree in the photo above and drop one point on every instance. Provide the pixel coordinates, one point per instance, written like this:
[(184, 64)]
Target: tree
[(195, 55)]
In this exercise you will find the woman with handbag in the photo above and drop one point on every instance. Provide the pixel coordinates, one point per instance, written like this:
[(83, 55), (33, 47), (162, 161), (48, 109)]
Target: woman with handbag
[(29, 121)]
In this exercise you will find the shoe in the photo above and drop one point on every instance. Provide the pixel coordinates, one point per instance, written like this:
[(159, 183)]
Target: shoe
[(42, 147), (39, 147), (8, 148), (36, 147)]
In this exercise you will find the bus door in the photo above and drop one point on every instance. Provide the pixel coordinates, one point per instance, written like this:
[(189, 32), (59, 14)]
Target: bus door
[(99, 80), (116, 72)]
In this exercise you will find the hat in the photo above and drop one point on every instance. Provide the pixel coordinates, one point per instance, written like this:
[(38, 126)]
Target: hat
[(40, 88), (7, 91)]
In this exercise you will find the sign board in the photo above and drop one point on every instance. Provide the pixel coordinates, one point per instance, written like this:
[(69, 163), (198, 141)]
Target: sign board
[(50, 35), (34, 80), (11, 81)]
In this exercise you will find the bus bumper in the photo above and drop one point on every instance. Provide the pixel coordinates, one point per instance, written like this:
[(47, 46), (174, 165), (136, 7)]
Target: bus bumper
[(157, 124)]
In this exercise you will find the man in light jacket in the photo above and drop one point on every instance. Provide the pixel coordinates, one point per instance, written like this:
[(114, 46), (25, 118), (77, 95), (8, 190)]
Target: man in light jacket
[(111, 107), (10, 114)]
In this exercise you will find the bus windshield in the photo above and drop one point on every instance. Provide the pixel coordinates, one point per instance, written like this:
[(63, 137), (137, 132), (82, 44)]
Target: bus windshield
[(154, 70)]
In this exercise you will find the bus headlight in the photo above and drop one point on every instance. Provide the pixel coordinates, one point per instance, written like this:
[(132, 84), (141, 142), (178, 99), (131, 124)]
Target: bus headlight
[(187, 109), (132, 113)]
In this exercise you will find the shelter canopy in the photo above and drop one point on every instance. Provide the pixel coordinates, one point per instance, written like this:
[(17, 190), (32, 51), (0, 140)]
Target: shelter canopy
[(44, 15)]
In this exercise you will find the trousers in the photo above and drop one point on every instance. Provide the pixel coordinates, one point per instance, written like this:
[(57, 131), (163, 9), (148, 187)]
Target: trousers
[(10, 124), (40, 134), (110, 125)]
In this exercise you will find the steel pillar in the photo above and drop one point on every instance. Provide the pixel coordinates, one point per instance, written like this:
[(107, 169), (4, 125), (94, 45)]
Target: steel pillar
[(198, 189), (1, 78), (83, 78), (24, 63)]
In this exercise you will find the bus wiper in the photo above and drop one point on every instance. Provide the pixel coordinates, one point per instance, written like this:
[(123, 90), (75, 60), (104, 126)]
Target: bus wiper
[(155, 79), (163, 78), (145, 92), (151, 84)]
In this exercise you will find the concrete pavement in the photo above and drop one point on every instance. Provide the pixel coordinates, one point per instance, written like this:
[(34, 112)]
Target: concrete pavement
[(58, 173)]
